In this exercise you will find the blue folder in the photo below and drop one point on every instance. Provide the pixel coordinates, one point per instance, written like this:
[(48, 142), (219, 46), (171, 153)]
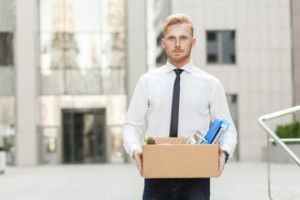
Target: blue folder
[(216, 131)]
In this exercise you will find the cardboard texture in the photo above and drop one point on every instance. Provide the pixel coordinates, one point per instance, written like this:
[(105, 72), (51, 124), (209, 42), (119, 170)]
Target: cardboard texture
[(173, 158)]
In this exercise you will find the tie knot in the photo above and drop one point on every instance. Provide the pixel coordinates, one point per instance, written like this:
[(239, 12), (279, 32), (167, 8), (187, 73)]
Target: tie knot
[(178, 71)]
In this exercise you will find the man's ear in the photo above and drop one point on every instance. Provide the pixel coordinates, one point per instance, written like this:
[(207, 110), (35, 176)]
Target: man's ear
[(194, 42), (163, 43)]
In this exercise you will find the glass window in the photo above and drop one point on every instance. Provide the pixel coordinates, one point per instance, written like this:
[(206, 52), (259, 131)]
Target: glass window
[(220, 47), (228, 47), (47, 137), (82, 65), (6, 49), (212, 47), (7, 79), (7, 127), (157, 11), (55, 124), (117, 153), (78, 82), (82, 47), (112, 15), (7, 15), (69, 16)]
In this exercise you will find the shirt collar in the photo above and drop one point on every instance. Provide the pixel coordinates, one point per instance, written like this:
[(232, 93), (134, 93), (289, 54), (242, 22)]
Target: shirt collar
[(188, 67)]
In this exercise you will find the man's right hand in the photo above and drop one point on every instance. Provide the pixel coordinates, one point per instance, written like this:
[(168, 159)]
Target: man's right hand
[(138, 157)]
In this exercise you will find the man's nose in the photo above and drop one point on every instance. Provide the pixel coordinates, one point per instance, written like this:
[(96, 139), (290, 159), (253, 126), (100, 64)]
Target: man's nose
[(177, 43)]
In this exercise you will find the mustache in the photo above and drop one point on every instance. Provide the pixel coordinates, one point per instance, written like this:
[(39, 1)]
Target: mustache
[(177, 50)]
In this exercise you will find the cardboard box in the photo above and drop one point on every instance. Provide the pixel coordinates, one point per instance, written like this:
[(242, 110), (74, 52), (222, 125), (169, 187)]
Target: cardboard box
[(180, 160)]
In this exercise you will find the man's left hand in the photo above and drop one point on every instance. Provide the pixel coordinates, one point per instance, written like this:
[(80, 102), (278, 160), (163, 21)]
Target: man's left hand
[(222, 159)]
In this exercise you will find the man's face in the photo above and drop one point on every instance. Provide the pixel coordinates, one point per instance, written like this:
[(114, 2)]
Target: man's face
[(178, 42)]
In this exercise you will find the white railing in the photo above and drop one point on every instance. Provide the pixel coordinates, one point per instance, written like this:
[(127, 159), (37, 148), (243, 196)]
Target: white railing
[(280, 141)]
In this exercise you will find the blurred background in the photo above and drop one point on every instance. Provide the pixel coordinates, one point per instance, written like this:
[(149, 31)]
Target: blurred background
[(68, 69)]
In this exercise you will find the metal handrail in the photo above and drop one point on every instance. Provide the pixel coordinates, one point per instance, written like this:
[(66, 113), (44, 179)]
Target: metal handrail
[(274, 136), (287, 140), (277, 140)]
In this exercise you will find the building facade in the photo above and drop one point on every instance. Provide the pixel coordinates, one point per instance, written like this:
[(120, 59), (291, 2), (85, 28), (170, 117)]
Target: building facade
[(68, 70), (295, 21)]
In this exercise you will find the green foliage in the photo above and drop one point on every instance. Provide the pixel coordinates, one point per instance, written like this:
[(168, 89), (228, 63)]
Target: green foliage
[(291, 130), (49, 149), (2, 148)]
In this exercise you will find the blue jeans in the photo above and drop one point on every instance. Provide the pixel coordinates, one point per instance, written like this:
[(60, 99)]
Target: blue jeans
[(177, 189)]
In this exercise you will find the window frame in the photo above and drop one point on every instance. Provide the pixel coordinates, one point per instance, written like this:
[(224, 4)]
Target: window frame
[(219, 41)]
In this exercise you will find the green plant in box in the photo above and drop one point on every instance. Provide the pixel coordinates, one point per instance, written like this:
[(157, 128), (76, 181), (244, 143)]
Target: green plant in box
[(150, 140)]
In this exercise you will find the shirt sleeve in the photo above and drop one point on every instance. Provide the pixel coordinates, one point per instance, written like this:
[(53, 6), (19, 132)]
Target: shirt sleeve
[(135, 118), (219, 110)]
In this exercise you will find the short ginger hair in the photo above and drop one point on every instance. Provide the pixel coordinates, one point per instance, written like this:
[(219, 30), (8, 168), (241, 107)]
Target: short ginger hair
[(178, 19)]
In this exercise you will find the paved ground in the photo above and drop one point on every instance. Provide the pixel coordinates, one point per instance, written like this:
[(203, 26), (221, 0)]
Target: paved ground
[(240, 181)]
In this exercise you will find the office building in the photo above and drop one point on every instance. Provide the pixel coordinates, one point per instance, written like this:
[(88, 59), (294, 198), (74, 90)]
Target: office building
[(68, 70)]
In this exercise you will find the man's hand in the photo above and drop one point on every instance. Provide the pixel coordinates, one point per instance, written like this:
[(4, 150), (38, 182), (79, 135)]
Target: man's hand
[(138, 157), (222, 160)]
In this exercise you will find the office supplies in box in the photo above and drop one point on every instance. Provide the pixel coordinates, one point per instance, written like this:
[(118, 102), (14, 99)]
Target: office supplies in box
[(173, 158), (216, 132)]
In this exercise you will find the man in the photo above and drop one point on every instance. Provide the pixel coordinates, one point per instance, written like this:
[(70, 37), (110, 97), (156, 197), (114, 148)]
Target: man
[(176, 100)]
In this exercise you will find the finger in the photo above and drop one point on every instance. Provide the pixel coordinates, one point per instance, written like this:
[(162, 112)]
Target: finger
[(141, 159), (140, 167), (221, 165), (141, 172), (140, 155), (220, 150), (220, 172), (139, 163)]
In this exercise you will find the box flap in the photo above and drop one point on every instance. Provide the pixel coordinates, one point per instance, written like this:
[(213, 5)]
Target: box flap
[(163, 140)]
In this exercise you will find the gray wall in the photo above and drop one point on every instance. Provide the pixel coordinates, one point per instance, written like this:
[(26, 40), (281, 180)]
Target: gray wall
[(261, 76), (26, 93), (135, 43), (295, 15)]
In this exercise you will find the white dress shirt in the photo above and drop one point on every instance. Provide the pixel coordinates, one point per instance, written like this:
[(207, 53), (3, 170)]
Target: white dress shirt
[(202, 100)]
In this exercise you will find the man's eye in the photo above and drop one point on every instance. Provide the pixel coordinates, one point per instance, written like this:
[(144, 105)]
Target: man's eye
[(183, 38)]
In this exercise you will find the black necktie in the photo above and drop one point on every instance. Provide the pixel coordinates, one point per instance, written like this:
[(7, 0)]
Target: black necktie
[(175, 104)]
